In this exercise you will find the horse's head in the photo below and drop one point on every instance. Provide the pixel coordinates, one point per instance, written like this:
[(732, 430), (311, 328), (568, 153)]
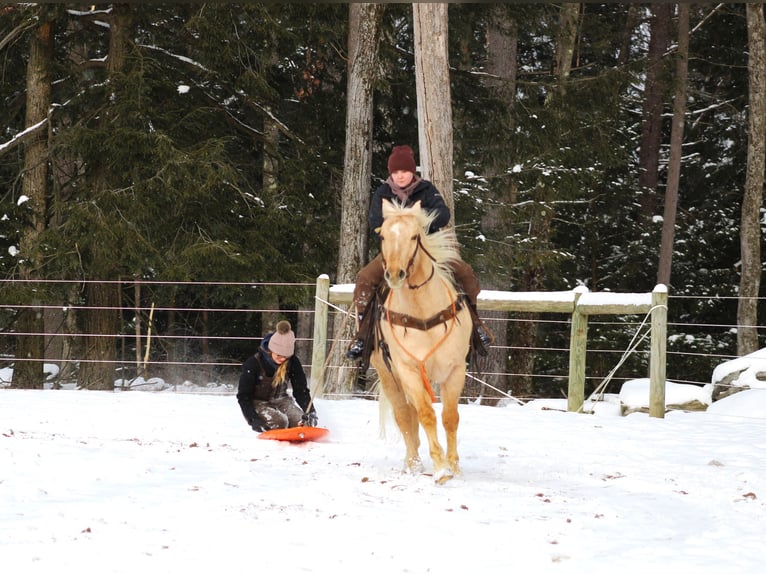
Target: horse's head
[(401, 242)]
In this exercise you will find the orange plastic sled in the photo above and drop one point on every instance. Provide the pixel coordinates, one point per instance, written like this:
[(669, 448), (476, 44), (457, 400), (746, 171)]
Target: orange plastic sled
[(295, 434)]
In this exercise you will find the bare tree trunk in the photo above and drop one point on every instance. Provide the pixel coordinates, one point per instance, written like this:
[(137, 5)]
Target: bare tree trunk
[(137, 314), (270, 181), (676, 142), (569, 14), (750, 233), (627, 33), (364, 36), (651, 127), (502, 40), (270, 297), (98, 370), (30, 348), (432, 81), (524, 333)]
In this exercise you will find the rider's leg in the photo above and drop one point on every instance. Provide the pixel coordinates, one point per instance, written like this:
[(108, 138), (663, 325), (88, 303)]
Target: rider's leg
[(466, 279), (367, 282)]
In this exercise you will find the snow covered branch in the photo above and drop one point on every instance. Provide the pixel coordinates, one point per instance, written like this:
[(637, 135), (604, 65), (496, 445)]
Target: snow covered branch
[(22, 136)]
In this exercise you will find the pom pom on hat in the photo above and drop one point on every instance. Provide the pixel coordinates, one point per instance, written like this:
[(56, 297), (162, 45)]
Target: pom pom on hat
[(402, 158), (282, 342)]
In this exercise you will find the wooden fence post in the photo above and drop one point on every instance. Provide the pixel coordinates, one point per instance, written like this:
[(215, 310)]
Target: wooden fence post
[(578, 341), (657, 358), (321, 311)]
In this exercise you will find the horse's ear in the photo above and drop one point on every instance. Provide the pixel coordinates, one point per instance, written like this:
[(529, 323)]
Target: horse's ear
[(416, 205), (388, 208)]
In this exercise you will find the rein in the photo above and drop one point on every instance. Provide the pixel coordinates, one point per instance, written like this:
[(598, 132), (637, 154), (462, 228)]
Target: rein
[(422, 363), (411, 262)]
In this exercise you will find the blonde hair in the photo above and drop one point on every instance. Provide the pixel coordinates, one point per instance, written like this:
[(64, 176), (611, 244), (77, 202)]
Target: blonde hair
[(280, 375)]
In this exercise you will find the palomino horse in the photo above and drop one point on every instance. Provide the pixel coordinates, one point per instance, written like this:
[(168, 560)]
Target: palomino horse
[(425, 331)]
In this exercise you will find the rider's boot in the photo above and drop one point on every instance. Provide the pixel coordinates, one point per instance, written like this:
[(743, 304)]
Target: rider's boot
[(482, 337), (485, 338), (356, 349)]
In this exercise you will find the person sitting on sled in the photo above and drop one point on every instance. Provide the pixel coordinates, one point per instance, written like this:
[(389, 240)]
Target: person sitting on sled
[(262, 392), (404, 186)]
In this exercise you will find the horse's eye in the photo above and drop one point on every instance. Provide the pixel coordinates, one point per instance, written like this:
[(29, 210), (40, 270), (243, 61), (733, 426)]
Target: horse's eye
[(414, 237)]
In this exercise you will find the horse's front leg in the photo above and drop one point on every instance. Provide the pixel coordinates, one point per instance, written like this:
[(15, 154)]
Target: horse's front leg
[(427, 418), (406, 418), (450, 396), (407, 421), (412, 461)]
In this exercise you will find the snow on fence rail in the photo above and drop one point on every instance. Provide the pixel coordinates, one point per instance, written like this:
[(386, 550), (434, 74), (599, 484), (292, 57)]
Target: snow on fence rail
[(579, 303)]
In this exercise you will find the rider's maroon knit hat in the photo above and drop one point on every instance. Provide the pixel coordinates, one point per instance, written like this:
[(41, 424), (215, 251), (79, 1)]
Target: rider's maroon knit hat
[(402, 158)]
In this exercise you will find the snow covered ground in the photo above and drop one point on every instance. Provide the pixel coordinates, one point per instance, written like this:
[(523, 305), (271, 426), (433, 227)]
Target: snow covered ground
[(163, 482)]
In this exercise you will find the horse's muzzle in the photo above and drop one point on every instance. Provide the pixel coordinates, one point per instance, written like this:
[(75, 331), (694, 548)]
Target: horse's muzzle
[(396, 279)]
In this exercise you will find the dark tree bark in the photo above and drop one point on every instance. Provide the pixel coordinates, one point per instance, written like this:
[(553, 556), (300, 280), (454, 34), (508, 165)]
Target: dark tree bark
[(627, 32), (364, 37), (655, 90), (750, 228), (432, 80), (569, 14), (502, 69), (30, 346), (676, 141), (101, 318), (525, 331)]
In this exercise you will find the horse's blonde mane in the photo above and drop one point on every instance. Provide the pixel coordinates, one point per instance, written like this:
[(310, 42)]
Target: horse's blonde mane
[(442, 245)]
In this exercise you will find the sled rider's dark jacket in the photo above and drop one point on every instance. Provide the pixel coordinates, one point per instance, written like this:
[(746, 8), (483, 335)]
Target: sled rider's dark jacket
[(257, 374)]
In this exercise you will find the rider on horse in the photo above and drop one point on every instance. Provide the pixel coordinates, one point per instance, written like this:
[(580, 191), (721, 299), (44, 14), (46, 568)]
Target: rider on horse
[(404, 186)]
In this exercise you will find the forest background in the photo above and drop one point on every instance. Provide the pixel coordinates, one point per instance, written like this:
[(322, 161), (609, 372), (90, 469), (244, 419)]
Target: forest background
[(150, 151)]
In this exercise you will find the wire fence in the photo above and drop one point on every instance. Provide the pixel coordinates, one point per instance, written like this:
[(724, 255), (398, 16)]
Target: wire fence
[(200, 332)]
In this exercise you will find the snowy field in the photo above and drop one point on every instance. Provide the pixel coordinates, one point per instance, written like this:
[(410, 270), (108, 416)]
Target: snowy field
[(162, 482)]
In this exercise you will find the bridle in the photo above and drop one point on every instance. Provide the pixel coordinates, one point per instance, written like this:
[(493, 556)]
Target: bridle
[(418, 246)]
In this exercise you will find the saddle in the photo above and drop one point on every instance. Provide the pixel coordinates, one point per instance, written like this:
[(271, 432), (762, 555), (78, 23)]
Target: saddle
[(372, 334)]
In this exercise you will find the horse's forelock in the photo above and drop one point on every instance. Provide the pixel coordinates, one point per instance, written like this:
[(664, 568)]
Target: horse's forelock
[(424, 218)]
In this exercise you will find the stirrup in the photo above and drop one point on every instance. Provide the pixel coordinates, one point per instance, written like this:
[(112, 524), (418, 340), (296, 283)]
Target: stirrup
[(355, 351), (485, 340)]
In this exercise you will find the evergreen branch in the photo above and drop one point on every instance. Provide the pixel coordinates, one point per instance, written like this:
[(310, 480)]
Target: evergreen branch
[(21, 137), (183, 59), (29, 132), (18, 31), (286, 131)]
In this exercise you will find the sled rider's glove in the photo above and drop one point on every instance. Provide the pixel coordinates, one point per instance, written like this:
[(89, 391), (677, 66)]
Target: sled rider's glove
[(258, 424), (309, 419)]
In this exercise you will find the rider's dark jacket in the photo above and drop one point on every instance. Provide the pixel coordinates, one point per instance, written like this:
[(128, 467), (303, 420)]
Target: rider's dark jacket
[(430, 200)]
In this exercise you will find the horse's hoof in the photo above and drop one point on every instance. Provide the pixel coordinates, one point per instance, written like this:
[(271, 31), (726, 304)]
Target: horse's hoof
[(442, 476), (414, 466)]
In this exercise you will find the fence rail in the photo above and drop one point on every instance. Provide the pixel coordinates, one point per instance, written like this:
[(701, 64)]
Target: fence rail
[(579, 303)]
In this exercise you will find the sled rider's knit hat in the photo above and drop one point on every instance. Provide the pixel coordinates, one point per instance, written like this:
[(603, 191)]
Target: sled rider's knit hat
[(282, 342), (402, 158)]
